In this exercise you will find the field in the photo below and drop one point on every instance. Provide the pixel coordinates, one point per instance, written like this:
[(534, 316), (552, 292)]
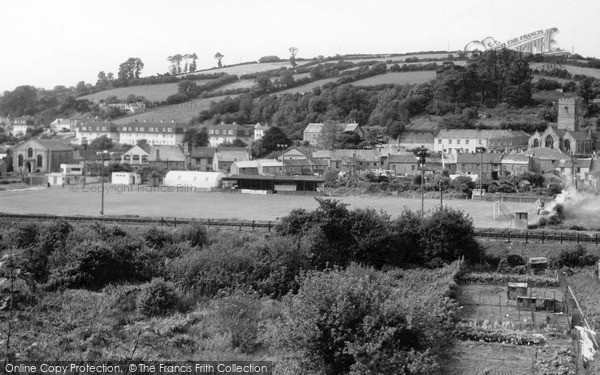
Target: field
[(124, 200), (397, 78), (308, 87), (247, 69), (150, 92), (574, 70), (178, 112)]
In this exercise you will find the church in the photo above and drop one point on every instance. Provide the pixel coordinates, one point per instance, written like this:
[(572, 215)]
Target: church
[(565, 136)]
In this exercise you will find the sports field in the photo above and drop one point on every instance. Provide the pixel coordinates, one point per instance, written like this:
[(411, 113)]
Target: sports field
[(171, 202)]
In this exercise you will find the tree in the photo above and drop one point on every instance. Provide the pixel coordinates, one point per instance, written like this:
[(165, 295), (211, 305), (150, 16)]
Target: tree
[(81, 87), (175, 61), (219, 57), (192, 67), (102, 143), (273, 137), (102, 79), (235, 143), (130, 69), (293, 52), (196, 137)]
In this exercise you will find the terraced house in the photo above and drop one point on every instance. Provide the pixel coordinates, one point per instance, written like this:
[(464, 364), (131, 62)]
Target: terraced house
[(227, 133), (456, 141)]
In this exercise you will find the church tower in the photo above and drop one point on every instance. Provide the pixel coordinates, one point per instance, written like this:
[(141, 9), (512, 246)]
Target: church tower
[(569, 112)]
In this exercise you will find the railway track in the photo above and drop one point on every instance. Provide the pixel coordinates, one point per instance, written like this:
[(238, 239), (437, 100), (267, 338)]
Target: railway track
[(507, 235)]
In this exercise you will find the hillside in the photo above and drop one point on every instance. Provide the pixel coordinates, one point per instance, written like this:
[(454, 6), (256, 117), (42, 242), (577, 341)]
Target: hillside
[(152, 93)]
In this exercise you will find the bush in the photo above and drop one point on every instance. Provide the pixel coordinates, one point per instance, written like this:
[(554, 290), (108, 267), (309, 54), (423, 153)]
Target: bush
[(195, 233), (157, 298), (575, 257), (239, 314), (157, 238), (24, 236)]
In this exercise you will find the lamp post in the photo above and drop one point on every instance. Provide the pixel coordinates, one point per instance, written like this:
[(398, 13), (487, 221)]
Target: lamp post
[(480, 150), (422, 155)]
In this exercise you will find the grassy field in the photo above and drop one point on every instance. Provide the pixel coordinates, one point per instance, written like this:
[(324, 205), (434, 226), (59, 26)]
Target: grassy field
[(308, 87), (179, 112), (397, 78), (151, 92), (249, 68), (573, 70), (73, 200)]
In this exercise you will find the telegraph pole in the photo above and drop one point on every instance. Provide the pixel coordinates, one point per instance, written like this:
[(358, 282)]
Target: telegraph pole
[(422, 155), (480, 150)]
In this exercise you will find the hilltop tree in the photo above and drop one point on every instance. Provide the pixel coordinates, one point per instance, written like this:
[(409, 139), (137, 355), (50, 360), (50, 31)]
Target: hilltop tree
[(130, 69), (102, 79), (21, 101), (219, 57), (192, 66), (293, 52), (175, 61)]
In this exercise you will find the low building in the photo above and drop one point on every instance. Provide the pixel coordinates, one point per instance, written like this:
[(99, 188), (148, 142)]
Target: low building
[(294, 153), (137, 156), (195, 180), (126, 178), (63, 125), (88, 131), (201, 158), (547, 160), (167, 157), (276, 183)]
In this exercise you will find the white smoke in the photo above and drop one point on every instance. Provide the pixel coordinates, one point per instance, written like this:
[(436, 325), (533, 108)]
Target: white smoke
[(575, 202)]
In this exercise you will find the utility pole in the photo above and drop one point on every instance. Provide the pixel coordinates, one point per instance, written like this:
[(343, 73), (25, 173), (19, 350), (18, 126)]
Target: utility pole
[(102, 177), (480, 150), (422, 155)]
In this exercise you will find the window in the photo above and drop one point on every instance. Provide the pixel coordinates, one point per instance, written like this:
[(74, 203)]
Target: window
[(449, 141), (136, 128), (170, 130), (144, 159), (151, 129), (211, 131), (216, 132), (29, 152), (84, 128), (20, 160), (127, 158), (246, 132), (480, 142), (136, 158), (458, 141), (412, 167), (439, 141), (39, 161), (466, 141), (230, 132)]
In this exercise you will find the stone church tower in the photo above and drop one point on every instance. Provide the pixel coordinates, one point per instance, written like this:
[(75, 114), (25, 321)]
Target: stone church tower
[(569, 113)]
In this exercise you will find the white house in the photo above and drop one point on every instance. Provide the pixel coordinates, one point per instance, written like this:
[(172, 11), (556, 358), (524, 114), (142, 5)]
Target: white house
[(193, 179)]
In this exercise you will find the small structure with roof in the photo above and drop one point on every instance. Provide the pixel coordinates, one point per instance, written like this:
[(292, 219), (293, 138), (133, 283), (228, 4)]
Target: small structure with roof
[(514, 289), (537, 265), (126, 178)]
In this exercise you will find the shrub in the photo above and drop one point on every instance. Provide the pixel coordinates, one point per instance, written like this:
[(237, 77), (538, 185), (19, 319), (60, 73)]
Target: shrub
[(195, 233), (157, 238), (24, 236), (575, 257), (239, 314), (157, 298)]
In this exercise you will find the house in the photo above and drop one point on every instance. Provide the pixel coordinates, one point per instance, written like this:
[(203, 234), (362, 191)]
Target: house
[(194, 180), (3, 168), (137, 156), (226, 156), (486, 163), (41, 155), (468, 140), (95, 156), (296, 153), (582, 171), (86, 132), (350, 160), (312, 132), (227, 133), (167, 157), (155, 133), (547, 160), (259, 131), (201, 158), (516, 164), (411, 140), (245, 167), (63, 125), (20, 125)]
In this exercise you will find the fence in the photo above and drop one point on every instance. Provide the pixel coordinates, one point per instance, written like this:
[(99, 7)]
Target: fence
[(541, 236)]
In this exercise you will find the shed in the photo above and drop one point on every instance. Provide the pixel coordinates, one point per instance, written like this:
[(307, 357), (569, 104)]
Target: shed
[(194, 179), (515, 290), (537, 303), (537, 265), (126, 178)]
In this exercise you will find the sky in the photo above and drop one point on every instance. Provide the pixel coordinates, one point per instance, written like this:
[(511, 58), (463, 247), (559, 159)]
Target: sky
[(45, 43)]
